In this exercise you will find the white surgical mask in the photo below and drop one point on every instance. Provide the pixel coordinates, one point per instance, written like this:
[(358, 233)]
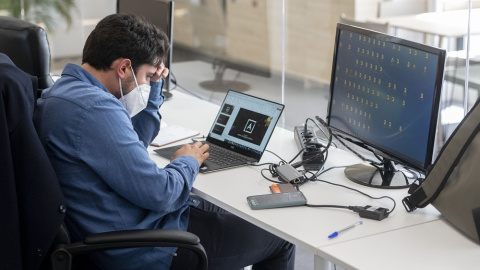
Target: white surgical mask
[(136, 100)]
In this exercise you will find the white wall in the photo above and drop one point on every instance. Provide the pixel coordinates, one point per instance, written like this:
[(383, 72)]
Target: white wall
[(68, 42)]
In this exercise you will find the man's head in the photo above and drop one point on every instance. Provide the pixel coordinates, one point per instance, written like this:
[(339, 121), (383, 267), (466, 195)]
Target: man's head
[(125, 36)]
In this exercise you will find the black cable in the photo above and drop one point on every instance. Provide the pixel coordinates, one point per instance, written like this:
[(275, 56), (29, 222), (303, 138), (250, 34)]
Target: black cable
[(310, 119), (381, 160), (319, 119), (363, 193), (198, 138), (259, 164), (381, 169), (296, 156), (359, 209), (329, 138), (268, 179), (324, 124), (327, 206), (355, 152), (326, 170), (276, 155)]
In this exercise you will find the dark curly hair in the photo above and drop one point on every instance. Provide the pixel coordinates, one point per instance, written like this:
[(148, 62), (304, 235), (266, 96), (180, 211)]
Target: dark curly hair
[(125, 36)]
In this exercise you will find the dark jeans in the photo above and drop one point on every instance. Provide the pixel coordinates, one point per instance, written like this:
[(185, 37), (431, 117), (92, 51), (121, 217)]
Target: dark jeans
[(233, 243)]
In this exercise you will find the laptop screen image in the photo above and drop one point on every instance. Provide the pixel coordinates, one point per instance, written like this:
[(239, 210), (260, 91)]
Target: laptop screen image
[(239, 134), (245, 123)]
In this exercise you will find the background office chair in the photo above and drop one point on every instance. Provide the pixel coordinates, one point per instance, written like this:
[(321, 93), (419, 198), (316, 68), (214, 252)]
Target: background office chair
[(27, 46), (32, 206)]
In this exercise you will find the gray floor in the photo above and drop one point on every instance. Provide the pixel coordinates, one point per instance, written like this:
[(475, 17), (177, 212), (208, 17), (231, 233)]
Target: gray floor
[(303, 260)]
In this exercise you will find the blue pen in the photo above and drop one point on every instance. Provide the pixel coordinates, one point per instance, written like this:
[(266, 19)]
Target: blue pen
[(336, 233)]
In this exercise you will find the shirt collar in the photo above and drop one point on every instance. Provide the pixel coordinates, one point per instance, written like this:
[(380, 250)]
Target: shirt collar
[(83, 75)]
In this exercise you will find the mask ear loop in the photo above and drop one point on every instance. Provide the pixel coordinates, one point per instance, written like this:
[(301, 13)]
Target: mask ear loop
[(121, 92), (136, 83), (120, 85)]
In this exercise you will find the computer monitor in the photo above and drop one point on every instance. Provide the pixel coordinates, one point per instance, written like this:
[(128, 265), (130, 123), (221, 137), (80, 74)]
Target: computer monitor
[(384, 97), (159, 13)]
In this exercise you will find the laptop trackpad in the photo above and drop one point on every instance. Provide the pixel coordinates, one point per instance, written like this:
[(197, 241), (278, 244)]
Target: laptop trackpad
[(167, 152)]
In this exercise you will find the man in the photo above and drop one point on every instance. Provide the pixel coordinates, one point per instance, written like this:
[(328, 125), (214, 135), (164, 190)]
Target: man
[(96, 122)]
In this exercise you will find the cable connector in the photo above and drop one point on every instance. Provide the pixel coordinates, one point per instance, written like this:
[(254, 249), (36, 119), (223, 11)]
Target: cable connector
[(370, 212)]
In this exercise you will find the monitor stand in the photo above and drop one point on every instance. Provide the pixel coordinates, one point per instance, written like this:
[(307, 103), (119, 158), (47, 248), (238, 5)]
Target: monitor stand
[(218, 84), (167, 94), (368, 175)]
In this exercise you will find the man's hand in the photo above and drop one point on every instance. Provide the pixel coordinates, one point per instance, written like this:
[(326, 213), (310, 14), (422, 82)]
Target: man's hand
[(197, 150), (161, 72)]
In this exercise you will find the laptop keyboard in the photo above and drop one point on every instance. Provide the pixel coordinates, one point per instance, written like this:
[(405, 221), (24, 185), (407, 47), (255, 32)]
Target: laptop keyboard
[(222, 156)]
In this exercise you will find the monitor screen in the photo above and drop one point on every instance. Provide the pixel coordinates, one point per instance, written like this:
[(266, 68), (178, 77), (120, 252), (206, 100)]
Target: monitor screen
[(159, 13), (384, 96), (245, 123)]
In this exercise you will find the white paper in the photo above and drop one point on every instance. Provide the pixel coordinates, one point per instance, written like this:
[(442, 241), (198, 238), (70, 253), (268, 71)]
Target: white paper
[(170, 134)]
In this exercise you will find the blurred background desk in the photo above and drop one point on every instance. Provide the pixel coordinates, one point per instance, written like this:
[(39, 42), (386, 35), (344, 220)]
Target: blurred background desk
[(444, 24)]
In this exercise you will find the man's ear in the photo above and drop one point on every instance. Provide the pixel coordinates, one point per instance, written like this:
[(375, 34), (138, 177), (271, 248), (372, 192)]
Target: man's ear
[(121, 66)]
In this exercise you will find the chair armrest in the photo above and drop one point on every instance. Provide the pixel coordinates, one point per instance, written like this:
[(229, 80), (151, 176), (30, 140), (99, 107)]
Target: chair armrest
[(146, 236), (62, 256)]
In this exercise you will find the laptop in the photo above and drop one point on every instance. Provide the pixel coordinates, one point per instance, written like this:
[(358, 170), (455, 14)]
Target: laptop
[(239, 134)]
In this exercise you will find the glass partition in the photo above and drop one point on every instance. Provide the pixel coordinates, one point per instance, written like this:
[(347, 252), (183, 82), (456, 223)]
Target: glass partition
[(282, 49), (221, 45)]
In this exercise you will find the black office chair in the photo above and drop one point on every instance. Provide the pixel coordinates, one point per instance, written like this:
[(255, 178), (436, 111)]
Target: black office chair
[(27, 46), (32, 206)]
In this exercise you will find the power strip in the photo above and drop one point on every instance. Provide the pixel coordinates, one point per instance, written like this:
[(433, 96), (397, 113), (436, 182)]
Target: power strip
[(312, 155)]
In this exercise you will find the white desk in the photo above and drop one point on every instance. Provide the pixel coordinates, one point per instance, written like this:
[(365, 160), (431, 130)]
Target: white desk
[(303, 226), (432, 245), (450, 24)]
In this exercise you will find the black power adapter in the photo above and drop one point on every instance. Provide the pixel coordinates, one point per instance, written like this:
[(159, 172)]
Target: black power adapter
[(371, 212)]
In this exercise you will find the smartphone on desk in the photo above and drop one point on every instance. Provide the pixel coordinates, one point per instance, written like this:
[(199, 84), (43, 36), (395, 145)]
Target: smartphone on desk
[(276, 200)]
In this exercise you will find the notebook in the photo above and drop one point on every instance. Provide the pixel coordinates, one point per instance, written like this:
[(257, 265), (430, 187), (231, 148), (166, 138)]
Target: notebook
[(242, 129)]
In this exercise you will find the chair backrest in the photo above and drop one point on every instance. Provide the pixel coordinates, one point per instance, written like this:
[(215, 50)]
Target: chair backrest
[(32, 206), (27, 46), (379, 27), (389, 8)]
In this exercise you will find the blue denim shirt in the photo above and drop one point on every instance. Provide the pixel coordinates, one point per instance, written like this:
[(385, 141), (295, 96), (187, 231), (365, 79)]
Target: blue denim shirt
[(109, 181)]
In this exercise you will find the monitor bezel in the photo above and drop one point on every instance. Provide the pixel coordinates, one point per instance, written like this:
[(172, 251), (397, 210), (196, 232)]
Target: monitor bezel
[(377, 149), (169, 31)]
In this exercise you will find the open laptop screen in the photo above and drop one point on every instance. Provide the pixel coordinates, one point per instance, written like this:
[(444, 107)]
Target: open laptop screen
[(245, 123)]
